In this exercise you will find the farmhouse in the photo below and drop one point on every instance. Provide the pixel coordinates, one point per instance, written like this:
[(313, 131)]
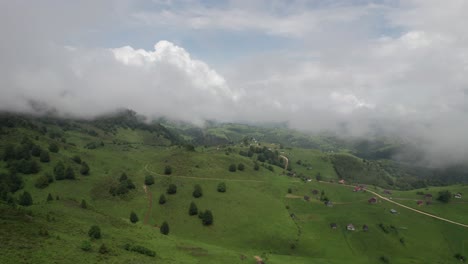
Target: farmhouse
[(350, 227), (458, 196), (315, 192), (365, 228), (306, 198), (328, 203), (372, 200), (419, 202), (341, 181), (387, 192), (393, 211), (333, 226)]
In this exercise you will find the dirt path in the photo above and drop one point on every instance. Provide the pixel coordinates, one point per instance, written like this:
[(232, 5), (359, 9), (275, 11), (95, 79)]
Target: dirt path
[(150, 204), (404, 206), (198, 178), (287, 161)]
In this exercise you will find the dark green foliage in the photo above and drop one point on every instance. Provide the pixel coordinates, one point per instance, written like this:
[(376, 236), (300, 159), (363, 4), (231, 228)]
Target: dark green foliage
[(76, 159), (193, 210), (94, 232), (384, 259), (59, 171), (86, 245), (84, 170), (9, 152), (69, 173), (232, 168), (256, 166), (140, 249), (103, 249), (240, 167), (445, 196), (124, 186), (36, 151), (9, 182), (133, 217), (164, 228), (189, 147), (49, 198), (197, 192), (168, 170), (83, 204), (53, 147), (318, 177), (460, 257), (42, 182), (221, 187), (44, 156), (123, 177), (402, 240), (24, 166), (130, 184), (289, 190), (207, 218), (149, 180), (25, 199), (57, 197), (162, 199), (172, 189)]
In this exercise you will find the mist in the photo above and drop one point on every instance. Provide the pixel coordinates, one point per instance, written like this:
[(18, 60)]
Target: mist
[(357, 69)]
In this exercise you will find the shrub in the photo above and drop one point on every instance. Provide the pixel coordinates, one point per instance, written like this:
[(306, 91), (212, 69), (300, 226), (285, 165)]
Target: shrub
[(36, 151), (103, 249), (76, 159), (123, 177), (69, 173), (193, 210), (83, 204), (221, 187), (445, 196), (197, 192), (94, 232), (164, 228), (25, 199), (149, 180), (59, 171), (53, 147), (84, 170), (207, 218), (44, 157), (42, 182), (140, 249), (133, 217), (162, 199), (168, 170), (232, 168), (86, 245), (49, 198), (256, 166), (172, 189), (240, 167)]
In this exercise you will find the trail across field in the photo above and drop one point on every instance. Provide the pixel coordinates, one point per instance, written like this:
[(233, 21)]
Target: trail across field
[(404, 206), (198, 178)]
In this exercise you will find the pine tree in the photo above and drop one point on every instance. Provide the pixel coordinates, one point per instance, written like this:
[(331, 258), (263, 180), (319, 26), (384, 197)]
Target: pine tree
[(133, 217), (162, 199), (197, 192), (83, 204), (193, 210), (232, 167), (172, 189), (44, 156), (222, 187), (168, 170), (94, 232), (59, 171), (240, 167), (207, 218), (149, 180), (25, 199), (69, 173), (164, 228)]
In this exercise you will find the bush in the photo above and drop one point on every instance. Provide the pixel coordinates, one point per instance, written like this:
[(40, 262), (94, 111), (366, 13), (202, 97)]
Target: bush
[(221, 187), (94, 232), (193, 210), (232, 168), (133, 217), (49, 198), (25, 199), (140, 249), (445, 196), (76, 159), (84, 170), (86, 245), (168, 170), (123, 177), (149, 180), (164, 228), (240, 167), (172, 189), (207, 218), (83, 204), (69, 173), (44, 157), (162, 199), (53, 147), (36, 151), (59, 171), (103, 249), (42, 182), (256, 166), (197, 192)]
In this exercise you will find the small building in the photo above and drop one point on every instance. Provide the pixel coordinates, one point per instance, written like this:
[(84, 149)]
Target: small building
[(428, 196), (306, 198), (357, 189), (365, 228), (393, 211), (328, 203), (315, 192), (372, 200), (419, 202), (458, 196), (341, 181), (333, 226), (387, 192), (350, 227)]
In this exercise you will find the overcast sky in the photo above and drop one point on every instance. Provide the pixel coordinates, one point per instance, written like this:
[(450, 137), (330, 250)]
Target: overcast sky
[(350, 66)]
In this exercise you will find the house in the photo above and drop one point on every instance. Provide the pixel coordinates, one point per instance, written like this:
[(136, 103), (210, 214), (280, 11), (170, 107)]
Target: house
[(387, 192), (333, 226), (419, 202), (428, 196), (306, 198), (357, 189), (350, 227), (372, 200), (458, 196), (315, 192), (365, 228), (393, 211), (328, 203), (341, 182)]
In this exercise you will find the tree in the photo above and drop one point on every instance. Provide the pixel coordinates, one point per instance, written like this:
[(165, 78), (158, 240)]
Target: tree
[(172, 189), (133, 217), (49, 198), (318, 177), (445, 196), (164, 228), (84, 170), (123, 177), (59, 171), (9, 153), (207, 218), (222, 187), (76, 159), (103, 249), (240, 167), (36, 151), (168, 170), (69, 173), (197, 192), (83, 204), (44, 156), (86, 245), (232, 167), (193, 210), (95, 232), (162, 199), (53, 147), (42, 182), (25, 199), (256, 166), (149, 180)]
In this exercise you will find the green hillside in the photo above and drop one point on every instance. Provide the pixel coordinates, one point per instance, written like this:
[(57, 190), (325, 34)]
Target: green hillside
[(266, 211)]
